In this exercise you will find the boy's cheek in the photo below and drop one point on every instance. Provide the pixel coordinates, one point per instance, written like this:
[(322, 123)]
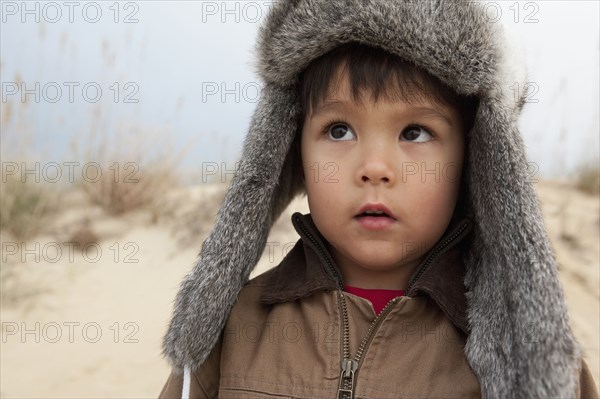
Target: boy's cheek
[(323, 169)]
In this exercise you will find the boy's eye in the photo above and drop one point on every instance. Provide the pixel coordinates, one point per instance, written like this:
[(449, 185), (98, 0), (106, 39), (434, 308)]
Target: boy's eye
[(416, 134), (338, 131)]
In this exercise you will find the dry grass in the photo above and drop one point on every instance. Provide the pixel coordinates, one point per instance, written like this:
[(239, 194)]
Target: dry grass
[(84, 235), (135, 170), (587, 177), (118, 195), (25, 206), (193, 212)]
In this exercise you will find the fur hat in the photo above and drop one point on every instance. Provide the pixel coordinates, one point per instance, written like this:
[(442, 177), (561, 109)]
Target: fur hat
[(520, 344)]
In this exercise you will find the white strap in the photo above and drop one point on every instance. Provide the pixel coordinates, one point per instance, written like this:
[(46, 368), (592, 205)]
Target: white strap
[(185, 394)]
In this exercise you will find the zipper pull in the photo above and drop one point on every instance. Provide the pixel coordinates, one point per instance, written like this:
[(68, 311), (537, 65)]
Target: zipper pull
[(349, 366), (346, 388)]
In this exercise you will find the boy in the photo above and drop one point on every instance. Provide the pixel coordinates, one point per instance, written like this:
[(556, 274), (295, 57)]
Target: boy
[(422, 269)]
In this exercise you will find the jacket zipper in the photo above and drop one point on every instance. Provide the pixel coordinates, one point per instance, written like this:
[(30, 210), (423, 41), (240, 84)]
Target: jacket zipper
[(349, 367)]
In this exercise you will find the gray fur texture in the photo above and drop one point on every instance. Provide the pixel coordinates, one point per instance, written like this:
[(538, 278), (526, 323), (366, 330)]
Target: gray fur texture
[(521, 344)]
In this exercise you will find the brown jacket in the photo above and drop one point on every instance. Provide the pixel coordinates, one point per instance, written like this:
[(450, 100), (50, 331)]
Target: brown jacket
[(285, 335)]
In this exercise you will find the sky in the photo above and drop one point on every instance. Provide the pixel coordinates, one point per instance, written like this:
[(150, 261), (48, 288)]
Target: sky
[(183, 71)]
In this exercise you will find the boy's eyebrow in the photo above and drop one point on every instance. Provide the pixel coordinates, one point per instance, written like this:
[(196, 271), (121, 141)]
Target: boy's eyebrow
[(417, 110), (433, 113)]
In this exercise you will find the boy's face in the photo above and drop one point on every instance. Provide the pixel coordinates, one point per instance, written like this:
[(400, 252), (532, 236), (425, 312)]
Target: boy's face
[(355, 154)]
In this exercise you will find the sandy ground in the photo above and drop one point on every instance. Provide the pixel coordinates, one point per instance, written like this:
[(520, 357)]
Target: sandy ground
[(573, 224), (90, 324)]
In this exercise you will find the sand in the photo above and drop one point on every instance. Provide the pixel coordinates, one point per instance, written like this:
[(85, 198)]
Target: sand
[(90, 325)]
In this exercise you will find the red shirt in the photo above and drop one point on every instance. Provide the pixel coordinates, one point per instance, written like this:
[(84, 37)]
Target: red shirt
[(379, 298)]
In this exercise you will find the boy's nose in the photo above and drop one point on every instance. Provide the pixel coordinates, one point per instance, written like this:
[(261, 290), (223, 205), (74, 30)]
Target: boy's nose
[(377, 171), (384, 179)]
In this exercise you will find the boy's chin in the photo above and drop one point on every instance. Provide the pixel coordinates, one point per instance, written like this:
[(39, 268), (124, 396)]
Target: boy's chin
[(375, 262)]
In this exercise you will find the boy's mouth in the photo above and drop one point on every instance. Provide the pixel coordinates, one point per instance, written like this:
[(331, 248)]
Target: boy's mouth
[(375, 210)]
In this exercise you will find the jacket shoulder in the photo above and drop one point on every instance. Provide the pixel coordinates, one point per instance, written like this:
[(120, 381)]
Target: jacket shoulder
[(587, 388), (204, 382), (252, 291)]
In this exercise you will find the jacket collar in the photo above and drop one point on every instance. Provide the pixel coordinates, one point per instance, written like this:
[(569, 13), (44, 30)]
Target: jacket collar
[(309, 268)]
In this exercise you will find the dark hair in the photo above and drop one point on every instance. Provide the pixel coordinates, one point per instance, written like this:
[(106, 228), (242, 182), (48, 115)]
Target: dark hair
[(374, 70), (371, 69)]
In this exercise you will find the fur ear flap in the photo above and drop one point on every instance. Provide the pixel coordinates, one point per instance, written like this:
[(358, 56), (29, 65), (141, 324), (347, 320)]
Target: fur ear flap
[(260, 190), (435, 6), (521, 343), (291, 175)]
